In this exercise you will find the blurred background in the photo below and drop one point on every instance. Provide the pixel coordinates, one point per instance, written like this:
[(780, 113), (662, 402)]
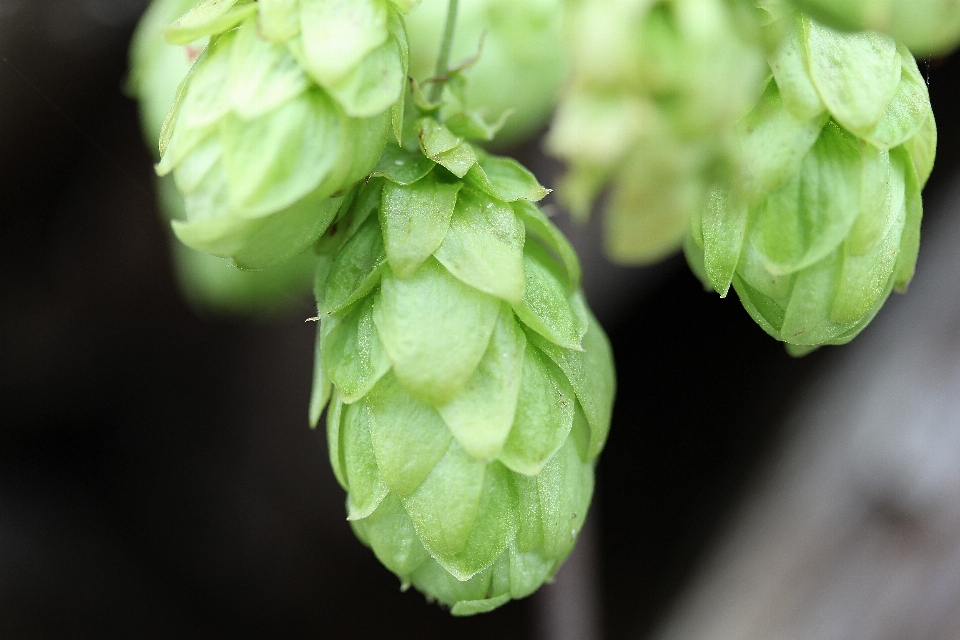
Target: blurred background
[(158, 478)]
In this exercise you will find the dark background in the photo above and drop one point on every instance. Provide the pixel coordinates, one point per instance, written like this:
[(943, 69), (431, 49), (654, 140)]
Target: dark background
[(157, 474)]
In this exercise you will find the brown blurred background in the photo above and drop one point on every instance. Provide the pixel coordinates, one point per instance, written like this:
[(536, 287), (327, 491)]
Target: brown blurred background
[(158, 478)]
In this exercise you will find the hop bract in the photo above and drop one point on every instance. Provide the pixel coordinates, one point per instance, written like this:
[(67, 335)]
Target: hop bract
[(826, 219), (289, 104), (521, 63), (924, 26), (655, 88), (470, 387)]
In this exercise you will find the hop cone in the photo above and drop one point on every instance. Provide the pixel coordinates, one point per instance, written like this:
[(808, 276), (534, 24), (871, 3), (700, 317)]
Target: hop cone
[(656, 86), (924, 26), (826, 221), (208, 282), (521, 66), (471, 387), (289, 104)]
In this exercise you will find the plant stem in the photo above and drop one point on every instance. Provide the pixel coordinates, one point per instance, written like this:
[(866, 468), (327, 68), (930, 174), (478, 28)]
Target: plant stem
[(443, 58)]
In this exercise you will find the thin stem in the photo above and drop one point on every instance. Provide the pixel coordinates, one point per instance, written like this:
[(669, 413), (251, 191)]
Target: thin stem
[(443, 58)]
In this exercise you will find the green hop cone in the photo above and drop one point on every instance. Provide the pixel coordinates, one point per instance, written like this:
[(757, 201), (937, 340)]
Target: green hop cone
[(288, 106), (470, 388), (208, 282), (825, 219), (925, 26), (521, 64), (656, 87)]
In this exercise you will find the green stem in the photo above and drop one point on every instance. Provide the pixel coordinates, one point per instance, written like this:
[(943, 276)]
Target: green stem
[(443, 58)]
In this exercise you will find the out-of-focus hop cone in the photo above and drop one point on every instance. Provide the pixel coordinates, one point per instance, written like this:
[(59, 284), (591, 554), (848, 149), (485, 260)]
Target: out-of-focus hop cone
[(469, 386), (825, 220), (521, 64), (655, 90), (209, 282), (924, 26), (288, 106)]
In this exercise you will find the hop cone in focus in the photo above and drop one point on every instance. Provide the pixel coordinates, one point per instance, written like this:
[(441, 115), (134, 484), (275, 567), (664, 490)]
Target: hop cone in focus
[(521, 66), (924, 26), (290, 104), (656, 88), (470, 388), (826, 221), (209, 282)]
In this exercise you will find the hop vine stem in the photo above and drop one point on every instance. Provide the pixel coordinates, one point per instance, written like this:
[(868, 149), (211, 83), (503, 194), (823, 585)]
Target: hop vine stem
[(443, 58)]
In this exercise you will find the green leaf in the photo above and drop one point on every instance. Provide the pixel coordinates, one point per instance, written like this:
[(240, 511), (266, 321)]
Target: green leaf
[(435, 138), (334, 450), (262, 75), (530, 532), (444, 507), (473, 607), (278, 20), (544, 415), (765, 311), (811, 215), (208, 17), (922, 148), (320, 390), (374, 85), (789, 67), (353, 354), (458, 160), (547, 305), (194, 168), (484, 246), (480, 416), (206, 100), (415, 219), (409, 437), (391, 534), (435, 329), (432, 578), (366, 486), (538, 226), (339, 34), (355, 270), (856, 74), (908, 110), (528, 571), (402, 166), (592, 375), (773, 143), (505, 179), (724, 225), (806, 319), (565, 487)]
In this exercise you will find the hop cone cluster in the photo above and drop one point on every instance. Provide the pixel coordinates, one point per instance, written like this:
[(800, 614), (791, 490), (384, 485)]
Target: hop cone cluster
[(656, 86), (521, 63), (470, 388), (825, 220), (289, 104), (924, 26)]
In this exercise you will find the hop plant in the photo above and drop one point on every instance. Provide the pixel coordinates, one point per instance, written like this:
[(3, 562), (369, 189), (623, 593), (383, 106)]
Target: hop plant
[(520, 66), (656, 88), (288, 106), (825, 220), (470, 388), (924, 26)]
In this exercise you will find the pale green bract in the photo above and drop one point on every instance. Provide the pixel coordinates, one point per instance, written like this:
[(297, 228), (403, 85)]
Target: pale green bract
[(469, 387), (521, 64), (824, 221), (208, 282), (289, 105), (925, 26), (655, 89)]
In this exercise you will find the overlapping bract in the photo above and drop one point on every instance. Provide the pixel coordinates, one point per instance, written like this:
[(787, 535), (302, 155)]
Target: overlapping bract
[(289, 105), (924, 26), (521, 64), (825, 220), (656, 87), (470, 388)]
